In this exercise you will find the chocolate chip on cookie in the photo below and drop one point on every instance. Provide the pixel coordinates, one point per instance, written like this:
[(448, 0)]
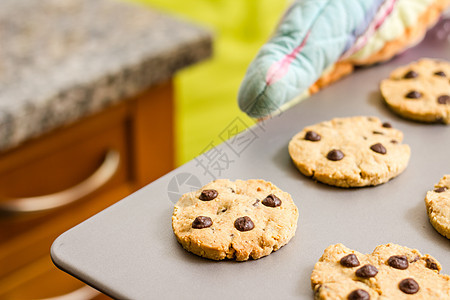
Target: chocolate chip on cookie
[(399, 262), (443, 99), (431, 264), (378, 148), (413, 95), (410, 74), (335, 155), (202, 222), (387, 125), (271, 201), (440, 189), (244, 224), (440, 73), (359, 294), (208, 195), (408, 286), (367, 271), (349, 261), (312, 136)]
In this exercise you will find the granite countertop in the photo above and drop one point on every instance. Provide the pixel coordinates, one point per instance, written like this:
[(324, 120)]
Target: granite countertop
[(63, 60)]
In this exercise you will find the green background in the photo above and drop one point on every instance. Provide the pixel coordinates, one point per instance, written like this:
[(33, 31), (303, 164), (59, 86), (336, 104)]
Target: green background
[(206, 93)]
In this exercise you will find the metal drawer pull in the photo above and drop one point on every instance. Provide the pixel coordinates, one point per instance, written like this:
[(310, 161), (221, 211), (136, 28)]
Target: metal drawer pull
[(100, 177), (85, 292)]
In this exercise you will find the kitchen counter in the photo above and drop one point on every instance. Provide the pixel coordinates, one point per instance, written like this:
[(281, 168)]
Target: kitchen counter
[(61, 61)]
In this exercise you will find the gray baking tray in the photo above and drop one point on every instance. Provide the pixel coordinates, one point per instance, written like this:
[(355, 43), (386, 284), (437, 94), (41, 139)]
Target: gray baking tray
[(129, 250)]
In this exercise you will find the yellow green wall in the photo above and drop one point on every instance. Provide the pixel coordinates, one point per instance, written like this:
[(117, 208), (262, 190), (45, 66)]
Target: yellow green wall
[(206, 93)]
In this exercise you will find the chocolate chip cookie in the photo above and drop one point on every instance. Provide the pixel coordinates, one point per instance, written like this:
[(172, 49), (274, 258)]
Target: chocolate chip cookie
[(350, 152), (438, 206), (420, 91), (390, 272), (240, 219)]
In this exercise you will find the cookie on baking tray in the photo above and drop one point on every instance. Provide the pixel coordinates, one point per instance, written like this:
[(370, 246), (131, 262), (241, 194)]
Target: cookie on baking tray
[(390, 272), (420, 91), (240, 219), (438, 206), (350, 152)]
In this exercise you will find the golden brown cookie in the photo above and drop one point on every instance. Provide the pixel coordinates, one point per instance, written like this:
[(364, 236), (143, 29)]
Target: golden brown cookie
[(350, 152), (438, 206), (240, 219), (390, 272), (420, 91)]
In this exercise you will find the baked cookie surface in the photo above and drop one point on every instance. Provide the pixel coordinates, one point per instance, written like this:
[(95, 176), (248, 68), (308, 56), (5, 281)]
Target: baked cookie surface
[(390, 272), (350, 152), (240, 219), (438, 206), (420, 91)]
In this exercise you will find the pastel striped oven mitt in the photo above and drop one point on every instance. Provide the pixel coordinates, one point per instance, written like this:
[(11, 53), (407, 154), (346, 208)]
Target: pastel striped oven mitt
[(319, 41)]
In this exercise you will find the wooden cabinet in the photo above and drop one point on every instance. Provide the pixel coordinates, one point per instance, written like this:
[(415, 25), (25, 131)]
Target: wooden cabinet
[(56, 181)]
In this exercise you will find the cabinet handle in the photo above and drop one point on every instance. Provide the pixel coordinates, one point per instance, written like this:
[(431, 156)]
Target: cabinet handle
[(100, 177), (85, 292)]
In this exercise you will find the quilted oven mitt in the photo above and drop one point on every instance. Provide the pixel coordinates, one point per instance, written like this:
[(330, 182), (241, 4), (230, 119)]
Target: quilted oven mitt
[(319, 41)]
